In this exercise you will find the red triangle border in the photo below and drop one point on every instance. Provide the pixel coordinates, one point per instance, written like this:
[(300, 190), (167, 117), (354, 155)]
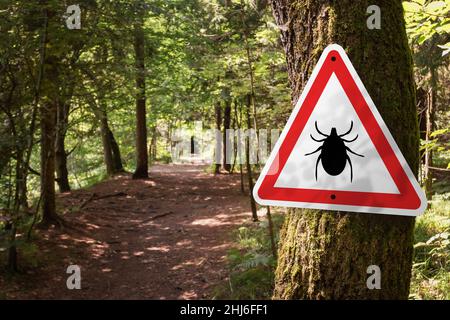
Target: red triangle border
[(407, 197)]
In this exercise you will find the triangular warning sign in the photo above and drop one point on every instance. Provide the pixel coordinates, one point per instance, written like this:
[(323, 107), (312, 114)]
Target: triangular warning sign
[(336, 152)]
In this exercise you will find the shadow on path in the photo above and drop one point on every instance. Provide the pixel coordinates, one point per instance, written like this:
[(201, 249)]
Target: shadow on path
[(162, 238)]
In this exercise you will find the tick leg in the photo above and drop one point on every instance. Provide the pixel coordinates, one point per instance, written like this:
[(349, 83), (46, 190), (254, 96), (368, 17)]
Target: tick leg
[(317, 150), (316, 140), (351, 168), (349, 130), (317, 163), (350, 140), (356, 154), (317, 128)]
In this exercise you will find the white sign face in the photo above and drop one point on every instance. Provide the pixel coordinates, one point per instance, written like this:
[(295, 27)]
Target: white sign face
[(336, 152)]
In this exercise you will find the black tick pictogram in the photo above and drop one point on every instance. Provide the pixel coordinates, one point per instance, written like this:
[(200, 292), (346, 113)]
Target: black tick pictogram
[(334, 152)]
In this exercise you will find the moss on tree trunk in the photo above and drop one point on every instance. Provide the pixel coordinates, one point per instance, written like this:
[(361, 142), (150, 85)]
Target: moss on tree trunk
[(325, 255)]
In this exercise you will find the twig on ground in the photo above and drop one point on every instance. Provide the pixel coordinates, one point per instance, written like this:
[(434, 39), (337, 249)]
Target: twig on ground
[(95, 197)]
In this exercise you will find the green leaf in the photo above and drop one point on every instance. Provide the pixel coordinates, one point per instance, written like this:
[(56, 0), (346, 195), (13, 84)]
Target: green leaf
[(411, 6), (444, 28), (435, 6), (422, 39), (439, 132)]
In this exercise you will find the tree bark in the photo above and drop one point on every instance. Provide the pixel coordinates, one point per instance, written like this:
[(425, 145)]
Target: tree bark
[(271, 233), (48, 120), (226, 138), (218, 116), (153, 143), (62, 174), (238, 121), (106, 142), (430, 119), (141, 171), (248, 164), (48, 116), (325, 255), (115, 150)]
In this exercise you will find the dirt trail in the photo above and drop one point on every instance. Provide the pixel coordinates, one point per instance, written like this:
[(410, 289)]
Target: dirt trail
[(125, 253)]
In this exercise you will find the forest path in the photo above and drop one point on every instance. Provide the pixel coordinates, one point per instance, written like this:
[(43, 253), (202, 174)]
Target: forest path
[(125, 253)]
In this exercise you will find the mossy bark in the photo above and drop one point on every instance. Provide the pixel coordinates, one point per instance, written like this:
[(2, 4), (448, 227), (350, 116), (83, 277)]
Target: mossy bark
[(325, 255)]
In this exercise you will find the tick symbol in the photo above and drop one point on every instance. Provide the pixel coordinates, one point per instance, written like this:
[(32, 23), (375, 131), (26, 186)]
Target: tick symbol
[(333, 152)]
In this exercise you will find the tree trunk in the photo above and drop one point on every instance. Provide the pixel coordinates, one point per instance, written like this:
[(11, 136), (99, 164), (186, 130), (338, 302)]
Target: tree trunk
[(218, 115), (153, 145), (141, 171), (249, 165), (235, 139), (12, 251), (430, 115), (48, 115), (239, 117), (325, 255), (115, 150), (62, 174), (271, 233), (226, 138), (48, 120), (106, 142)]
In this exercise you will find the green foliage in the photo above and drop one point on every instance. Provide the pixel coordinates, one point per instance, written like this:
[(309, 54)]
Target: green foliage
[(426, 18), (436, 143), (431, 269), (440, 145)]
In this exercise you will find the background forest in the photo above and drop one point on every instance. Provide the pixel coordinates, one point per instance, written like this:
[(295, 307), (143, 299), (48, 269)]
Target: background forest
[(80, 106)]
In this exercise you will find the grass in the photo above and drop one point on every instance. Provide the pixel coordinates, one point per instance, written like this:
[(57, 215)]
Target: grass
[(431, 269), (251, 264)]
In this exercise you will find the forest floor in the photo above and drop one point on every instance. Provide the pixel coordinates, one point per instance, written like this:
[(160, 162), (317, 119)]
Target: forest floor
[(162, 238)]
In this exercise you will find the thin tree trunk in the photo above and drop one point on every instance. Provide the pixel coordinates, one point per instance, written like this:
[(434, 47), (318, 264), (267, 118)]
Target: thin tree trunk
[(325, 255), (250, 68), (48, 120), (241, 173), (12, 251), (430, 119), (422, 106), (106, 141), (11, 225), (22, 178), (235, 142), (115, 150), (153, 142), (249, 166), (62, 174), (226, 138), (218, 116), (141, 171), (271, 233), (239, 119)]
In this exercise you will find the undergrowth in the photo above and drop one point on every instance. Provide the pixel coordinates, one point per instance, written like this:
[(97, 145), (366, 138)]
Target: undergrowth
[(251, 264), (431, 268)]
